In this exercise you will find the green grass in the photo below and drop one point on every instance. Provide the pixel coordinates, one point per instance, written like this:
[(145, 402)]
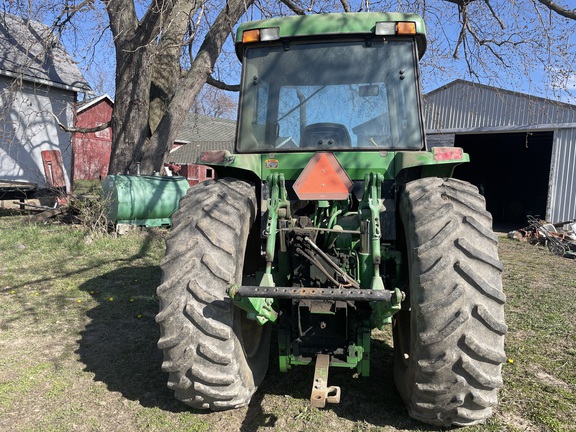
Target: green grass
[(87, 187), (78, 346)]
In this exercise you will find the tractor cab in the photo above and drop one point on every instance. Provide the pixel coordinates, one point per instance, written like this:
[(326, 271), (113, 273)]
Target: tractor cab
[(304, 92)]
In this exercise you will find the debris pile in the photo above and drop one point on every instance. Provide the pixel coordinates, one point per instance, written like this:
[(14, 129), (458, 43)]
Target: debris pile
[(560, 238), (41, 213)]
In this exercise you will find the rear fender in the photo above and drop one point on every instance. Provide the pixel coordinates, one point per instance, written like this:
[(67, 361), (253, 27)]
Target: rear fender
[(438, 162)]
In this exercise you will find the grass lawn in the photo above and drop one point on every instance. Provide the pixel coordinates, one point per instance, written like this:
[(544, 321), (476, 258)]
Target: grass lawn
[(78, 346)]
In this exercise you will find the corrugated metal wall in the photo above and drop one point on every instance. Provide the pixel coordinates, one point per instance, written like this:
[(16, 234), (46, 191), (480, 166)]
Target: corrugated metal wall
[(464, 107), (562, 190)]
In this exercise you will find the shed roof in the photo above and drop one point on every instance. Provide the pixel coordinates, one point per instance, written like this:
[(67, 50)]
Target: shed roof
[(199, 128), (30, 50), (201, 133), (467, 105), (189, 153), (87, 103)]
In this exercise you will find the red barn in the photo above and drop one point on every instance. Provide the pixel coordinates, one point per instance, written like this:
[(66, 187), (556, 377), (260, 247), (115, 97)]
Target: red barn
[(198, 133), (92, 150)]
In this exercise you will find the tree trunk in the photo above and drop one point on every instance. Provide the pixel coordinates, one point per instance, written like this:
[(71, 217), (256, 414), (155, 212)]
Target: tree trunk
[(130, 126), (134, 60), (167, 70), (150, 107)]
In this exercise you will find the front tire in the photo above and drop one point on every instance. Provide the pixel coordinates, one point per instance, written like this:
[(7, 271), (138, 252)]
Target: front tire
[(449, 344), (214, 355)]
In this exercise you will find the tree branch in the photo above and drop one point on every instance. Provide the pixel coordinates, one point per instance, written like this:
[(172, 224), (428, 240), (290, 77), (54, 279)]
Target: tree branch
[(345, 5), (82, 130), (488, 44), (566, 13), (221, 85), (293, 7), (471, 70), (461, 3), (461, 37), (69, 12), (496, 17)]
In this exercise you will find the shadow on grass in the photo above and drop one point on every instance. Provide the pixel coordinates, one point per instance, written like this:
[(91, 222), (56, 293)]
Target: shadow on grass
[(119, 347), (119, 344), (372, 400)]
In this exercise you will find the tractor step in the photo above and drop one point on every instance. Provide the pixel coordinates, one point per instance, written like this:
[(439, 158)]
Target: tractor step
[(321, 392)]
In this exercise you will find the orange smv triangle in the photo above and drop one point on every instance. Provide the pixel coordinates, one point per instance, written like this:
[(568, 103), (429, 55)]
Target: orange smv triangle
[(323, 179)]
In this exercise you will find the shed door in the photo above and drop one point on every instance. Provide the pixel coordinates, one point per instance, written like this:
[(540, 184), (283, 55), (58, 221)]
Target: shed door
[(512, 170), (53, 168)]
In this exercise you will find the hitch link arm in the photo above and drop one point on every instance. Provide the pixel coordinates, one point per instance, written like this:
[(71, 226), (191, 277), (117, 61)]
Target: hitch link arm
[(260, 308), (278, 205), (373, 202)]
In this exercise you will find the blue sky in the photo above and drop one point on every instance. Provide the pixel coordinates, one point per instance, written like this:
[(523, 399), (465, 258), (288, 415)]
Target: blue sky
[(438, 65)]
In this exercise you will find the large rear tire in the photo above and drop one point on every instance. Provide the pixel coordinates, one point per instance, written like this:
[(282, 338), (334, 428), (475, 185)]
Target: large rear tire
[(449, 344), (215, 356)]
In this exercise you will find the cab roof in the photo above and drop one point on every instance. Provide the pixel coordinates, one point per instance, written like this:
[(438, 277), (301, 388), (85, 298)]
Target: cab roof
[(333, 24)]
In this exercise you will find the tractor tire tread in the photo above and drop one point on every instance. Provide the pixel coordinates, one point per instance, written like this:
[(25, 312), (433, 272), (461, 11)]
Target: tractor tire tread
[(202, 346), (453, 370)]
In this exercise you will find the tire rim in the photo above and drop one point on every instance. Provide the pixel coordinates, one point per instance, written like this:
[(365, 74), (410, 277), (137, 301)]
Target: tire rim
[(402, 335), (250, 332)]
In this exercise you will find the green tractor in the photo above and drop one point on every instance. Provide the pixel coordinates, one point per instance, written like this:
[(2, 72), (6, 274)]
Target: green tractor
[(331, 219)]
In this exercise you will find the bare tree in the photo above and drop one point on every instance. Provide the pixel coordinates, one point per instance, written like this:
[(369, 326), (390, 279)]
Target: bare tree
[(498, 41), (166, 52), (213, 101), (153, 93), (523, 43)]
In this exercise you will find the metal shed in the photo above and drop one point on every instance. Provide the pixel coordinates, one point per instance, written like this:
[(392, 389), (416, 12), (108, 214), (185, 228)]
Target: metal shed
[(522, 148)]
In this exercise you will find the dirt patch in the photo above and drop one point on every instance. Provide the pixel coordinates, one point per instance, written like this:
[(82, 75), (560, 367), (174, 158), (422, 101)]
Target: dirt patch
[(519, 423), (549, 379)]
